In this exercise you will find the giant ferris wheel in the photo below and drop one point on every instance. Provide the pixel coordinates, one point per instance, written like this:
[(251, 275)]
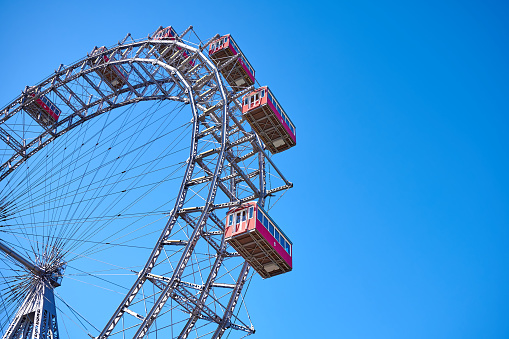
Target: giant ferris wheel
[(165, 141)]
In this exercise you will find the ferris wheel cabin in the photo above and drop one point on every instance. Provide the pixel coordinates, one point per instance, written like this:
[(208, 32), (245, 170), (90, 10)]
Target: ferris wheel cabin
[(171, 53), (259, 240), (43, 110), (239, 73), (115, 76), (265, 115), (167, 33)]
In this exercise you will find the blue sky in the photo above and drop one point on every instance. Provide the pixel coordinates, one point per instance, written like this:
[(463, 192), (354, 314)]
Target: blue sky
[(399, 214)]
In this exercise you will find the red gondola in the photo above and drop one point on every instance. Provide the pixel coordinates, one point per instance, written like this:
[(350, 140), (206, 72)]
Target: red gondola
[(170, 53), (259, 240), (115, 76), (43, 110), (167, 33), (239, 73), (265, 115)]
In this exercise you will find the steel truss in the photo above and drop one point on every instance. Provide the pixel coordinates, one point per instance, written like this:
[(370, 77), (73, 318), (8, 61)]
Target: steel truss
[(220, 143)]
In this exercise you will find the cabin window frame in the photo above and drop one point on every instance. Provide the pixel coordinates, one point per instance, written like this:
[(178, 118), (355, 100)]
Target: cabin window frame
[(277, 235), (266, 223), (238, 220)]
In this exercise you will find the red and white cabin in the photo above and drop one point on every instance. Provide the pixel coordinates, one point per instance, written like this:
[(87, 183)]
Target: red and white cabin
[(114, 76), (239, 74), (167, 33), (43, 110), (266, 117), (171, 53), (259, 240)]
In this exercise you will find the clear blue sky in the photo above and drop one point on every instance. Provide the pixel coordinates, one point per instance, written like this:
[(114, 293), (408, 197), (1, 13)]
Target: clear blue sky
[(399, 215)]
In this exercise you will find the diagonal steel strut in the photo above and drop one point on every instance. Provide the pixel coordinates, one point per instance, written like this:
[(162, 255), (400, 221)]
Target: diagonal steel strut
[(20, 259)]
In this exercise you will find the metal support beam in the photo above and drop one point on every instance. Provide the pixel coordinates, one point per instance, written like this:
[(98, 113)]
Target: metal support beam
[(20, 259)]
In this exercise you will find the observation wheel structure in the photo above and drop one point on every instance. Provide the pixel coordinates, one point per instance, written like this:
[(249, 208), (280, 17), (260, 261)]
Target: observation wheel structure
[(146, 144)]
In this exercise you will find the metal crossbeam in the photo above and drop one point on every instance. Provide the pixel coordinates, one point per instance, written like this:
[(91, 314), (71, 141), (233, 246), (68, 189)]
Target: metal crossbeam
[(20, 259)]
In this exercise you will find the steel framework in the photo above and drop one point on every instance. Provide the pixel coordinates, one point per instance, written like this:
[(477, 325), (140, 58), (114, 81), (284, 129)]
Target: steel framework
[(223, 155)]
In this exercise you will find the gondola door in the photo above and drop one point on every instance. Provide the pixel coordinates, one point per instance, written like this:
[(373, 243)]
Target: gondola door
[(254, 100), (240, 221)]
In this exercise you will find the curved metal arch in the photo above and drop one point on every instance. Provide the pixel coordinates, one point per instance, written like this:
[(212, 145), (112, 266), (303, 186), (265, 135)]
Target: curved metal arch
[(17, 104), (20, 146)]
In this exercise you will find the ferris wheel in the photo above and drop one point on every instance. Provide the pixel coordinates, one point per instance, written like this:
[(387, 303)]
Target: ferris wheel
[(163, 141)]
